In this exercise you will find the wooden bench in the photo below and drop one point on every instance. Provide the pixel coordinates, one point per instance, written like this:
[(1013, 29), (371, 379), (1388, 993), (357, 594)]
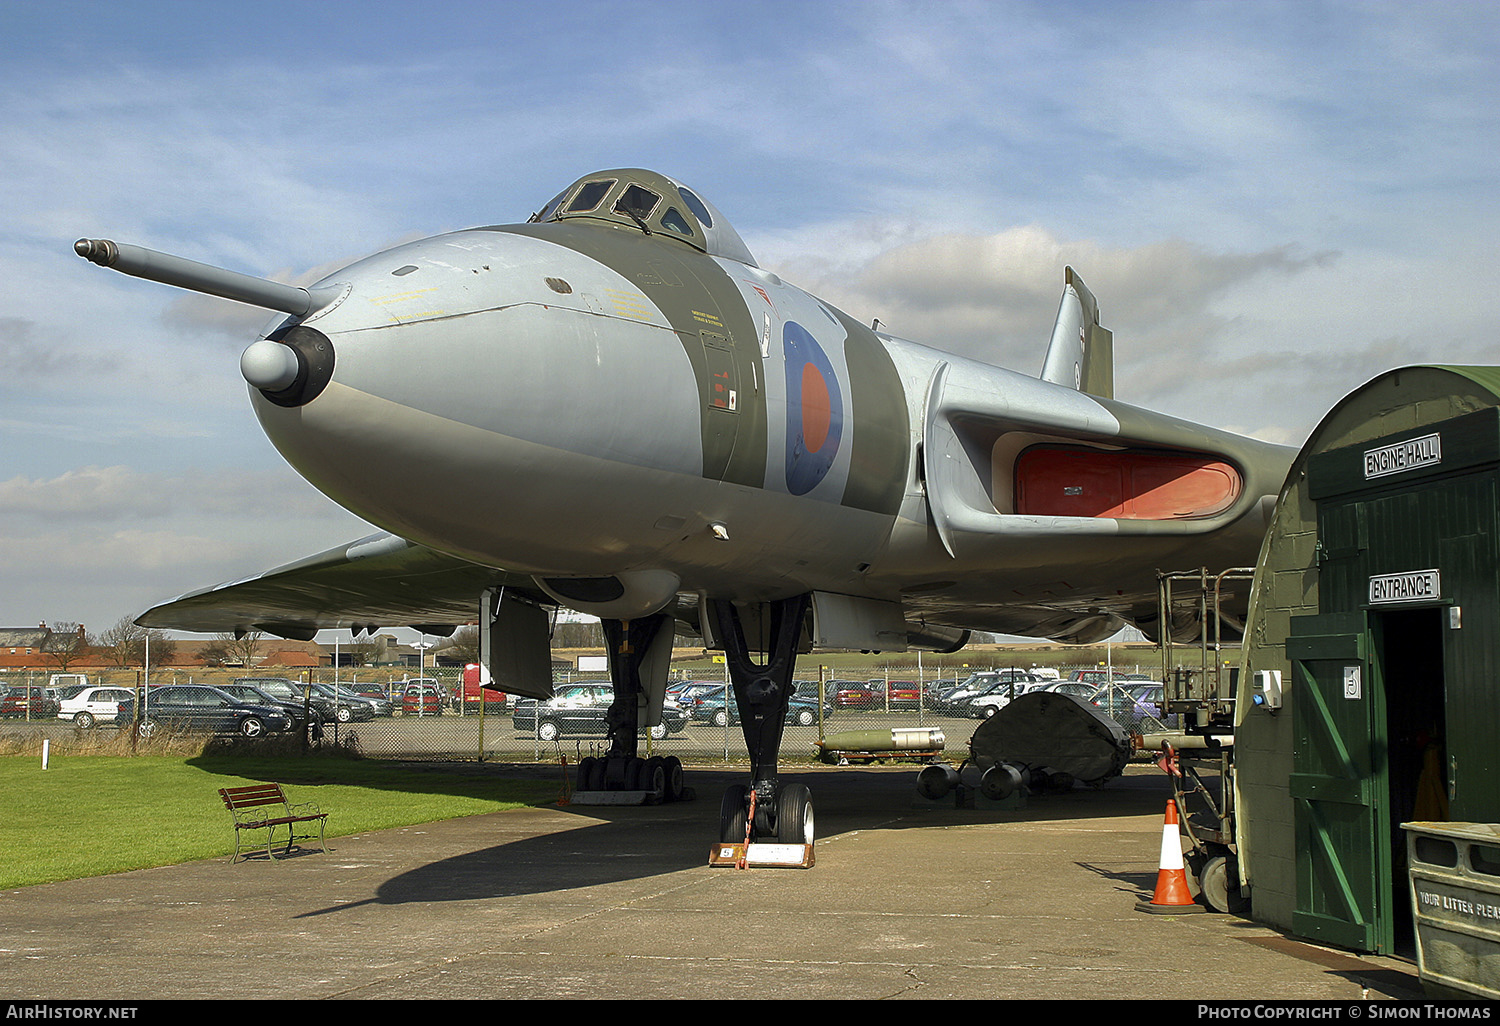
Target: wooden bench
[(264, 807)]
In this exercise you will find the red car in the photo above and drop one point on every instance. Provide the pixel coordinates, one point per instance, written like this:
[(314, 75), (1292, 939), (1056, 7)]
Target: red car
[(422, 700), (852, 694), (904, 694), (15, 701)]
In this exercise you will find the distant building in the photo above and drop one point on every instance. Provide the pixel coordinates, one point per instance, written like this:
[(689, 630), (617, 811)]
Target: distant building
[(30, 648)]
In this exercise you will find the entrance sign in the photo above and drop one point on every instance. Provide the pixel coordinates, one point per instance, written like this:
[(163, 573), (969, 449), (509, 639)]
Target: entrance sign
[(1413, 586)]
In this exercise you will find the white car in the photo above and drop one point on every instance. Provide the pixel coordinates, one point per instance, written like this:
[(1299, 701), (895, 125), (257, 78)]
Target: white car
[(94, 705), (988, 705)]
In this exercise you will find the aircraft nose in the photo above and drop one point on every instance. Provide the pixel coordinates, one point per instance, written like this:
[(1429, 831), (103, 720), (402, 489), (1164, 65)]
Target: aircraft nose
[(291, 370)]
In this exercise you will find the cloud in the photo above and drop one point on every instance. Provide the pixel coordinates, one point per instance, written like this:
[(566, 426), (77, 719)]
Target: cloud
[(104, 495), (994, 297)]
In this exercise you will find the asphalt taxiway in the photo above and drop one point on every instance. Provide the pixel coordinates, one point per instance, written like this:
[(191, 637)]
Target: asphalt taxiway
[(909, 898)]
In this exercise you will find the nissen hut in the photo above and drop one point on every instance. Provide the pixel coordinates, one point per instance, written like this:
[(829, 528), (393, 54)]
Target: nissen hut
[(1372, 696)]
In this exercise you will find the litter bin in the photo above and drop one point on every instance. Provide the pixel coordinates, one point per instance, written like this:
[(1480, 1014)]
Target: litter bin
[(1454, 869)]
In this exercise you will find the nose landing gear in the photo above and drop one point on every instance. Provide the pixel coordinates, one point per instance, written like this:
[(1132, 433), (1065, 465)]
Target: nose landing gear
[(766, 822)]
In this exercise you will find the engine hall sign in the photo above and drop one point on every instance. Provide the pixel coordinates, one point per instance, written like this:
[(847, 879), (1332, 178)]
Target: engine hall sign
[(1402, 456), (1413, 586)]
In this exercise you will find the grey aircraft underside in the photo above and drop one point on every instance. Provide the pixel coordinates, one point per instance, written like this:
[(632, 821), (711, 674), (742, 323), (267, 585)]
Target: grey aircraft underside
[(626, 416)]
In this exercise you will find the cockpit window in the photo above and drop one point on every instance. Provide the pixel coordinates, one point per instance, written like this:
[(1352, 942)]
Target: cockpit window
[(551, 208), (637, 201), (590, 196), (697, 206), (674, 221)]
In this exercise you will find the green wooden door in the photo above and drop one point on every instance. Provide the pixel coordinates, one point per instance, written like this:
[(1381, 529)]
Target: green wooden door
[(1338, 780)]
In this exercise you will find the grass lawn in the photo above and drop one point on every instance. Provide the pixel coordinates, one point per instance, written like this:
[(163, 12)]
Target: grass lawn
[(96, 814)]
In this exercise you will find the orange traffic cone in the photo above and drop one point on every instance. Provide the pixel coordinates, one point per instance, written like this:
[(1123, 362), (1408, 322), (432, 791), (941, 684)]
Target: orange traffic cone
[(1172, 894)]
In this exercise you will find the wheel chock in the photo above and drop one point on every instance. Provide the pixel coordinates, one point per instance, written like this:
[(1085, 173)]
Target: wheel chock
[(761, 855)]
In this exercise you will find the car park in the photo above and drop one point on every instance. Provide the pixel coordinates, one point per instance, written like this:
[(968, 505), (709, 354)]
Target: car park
[(91, 705), (201, 707), (28, 701), (581, 708)]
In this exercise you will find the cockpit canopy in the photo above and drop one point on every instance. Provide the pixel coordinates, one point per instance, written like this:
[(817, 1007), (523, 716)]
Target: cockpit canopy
[(651, 202)]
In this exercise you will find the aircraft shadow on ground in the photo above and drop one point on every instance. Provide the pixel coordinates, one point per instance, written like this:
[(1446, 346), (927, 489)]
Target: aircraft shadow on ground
[(621, 843)]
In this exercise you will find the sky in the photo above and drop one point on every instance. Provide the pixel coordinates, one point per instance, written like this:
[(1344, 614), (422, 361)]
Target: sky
[(1273, 202)]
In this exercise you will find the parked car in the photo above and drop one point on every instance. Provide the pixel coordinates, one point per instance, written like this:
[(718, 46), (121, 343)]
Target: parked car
[(421, 699), (258, 696), (30, 701), (710, 707), (1077, 688), (684, 693), (371, 689), (954, 700), (987, 704), (1119, 705), (93, 705), (852, 694), (903, 694), (581, 709), (349, 706), (1152, 698), (285, 690), (203, 707)]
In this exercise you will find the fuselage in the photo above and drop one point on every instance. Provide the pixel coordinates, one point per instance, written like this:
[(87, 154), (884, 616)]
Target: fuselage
[(589, 399)]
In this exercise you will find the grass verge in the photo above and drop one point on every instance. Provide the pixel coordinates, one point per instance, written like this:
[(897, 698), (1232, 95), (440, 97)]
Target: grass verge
[(96, 814)]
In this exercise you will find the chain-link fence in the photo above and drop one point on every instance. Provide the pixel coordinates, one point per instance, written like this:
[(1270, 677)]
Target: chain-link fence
[(391, 714)]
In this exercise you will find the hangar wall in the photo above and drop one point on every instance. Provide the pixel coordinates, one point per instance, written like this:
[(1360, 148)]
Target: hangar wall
[(1294, 578)]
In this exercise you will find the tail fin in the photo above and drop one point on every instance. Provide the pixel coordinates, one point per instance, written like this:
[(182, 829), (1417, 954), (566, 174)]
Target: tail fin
[(1082, 353)]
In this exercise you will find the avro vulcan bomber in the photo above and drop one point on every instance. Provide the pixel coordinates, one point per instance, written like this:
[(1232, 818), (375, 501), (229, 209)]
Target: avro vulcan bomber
[(627, 416)]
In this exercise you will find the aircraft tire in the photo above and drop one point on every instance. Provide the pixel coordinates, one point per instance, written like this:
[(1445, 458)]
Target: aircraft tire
[(585, 769), (654, 776), (672, 767), (599, 775), (732, 814), (794, 815)]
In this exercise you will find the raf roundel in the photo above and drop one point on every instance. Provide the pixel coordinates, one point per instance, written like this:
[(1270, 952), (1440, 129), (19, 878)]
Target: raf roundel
[(814, 410)]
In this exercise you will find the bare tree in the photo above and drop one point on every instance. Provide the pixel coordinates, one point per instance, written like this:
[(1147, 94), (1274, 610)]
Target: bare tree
[(65, 645), (463, 647), (124, 644), (241, 649)]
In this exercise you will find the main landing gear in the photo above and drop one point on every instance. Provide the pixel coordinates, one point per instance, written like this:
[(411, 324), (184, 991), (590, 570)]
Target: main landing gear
[(639, 651), (765, 810)]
